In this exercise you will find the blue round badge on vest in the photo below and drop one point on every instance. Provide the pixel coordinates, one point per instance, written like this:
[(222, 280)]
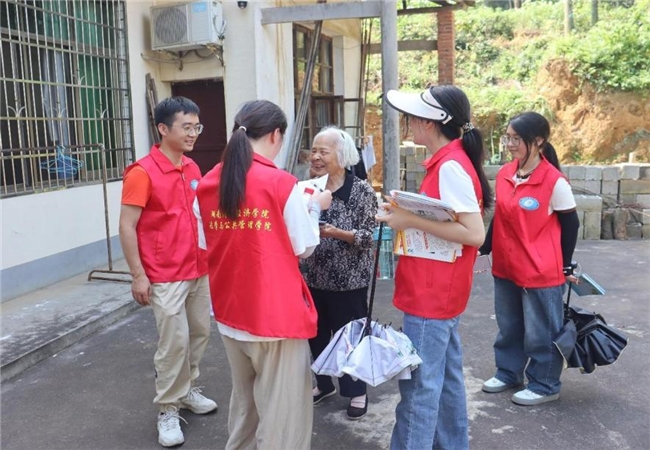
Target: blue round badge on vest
[(529, 203), (194, 184)]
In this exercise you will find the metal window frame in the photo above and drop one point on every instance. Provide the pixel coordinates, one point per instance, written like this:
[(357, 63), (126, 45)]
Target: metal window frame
[(310, 128), (64, 92)]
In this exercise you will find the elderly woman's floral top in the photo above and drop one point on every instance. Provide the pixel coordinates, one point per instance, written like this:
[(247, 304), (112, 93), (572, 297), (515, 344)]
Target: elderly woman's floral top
[(336, 265)]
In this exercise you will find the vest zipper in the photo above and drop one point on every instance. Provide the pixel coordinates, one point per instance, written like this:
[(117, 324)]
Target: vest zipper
[(514, 189)]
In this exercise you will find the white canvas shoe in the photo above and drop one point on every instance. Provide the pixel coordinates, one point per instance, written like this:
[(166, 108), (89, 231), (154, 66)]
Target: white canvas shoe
[(529, 398), (169, 427), (494, 385), (197, 402)]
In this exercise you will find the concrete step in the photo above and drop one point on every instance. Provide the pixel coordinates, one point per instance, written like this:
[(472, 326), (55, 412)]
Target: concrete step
[(41, 323)]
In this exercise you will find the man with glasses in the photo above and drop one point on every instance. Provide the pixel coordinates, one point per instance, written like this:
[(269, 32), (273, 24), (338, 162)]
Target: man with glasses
[(159, 237)]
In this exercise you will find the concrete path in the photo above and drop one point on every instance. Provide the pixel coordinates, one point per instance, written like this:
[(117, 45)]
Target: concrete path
[(97, 393)]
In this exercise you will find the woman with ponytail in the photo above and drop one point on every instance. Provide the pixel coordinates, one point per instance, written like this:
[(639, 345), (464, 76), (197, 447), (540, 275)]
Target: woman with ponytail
[(532, 237), (432, 412), (256, 225)]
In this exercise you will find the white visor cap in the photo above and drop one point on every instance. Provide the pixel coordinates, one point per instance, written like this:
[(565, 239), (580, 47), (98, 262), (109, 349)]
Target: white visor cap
[(423, 105)]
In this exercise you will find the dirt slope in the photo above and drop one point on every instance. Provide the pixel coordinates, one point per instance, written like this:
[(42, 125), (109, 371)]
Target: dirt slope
[(594, 126)]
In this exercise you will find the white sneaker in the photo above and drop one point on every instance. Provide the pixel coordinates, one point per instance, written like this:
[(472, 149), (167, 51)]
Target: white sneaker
[(494, 385), (529, 398), (197, 402), (169, 427)]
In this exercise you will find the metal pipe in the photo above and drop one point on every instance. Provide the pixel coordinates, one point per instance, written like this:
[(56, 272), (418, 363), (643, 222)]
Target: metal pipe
[(91, 275)]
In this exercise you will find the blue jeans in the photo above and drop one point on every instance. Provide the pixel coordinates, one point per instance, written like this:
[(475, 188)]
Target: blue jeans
[(432, 412), (528, 320)]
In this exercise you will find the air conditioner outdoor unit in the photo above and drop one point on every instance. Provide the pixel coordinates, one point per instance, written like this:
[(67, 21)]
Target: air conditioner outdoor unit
[(186, 26)]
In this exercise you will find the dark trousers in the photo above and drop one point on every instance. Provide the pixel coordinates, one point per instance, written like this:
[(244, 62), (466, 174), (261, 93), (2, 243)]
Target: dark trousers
[(335, 309)]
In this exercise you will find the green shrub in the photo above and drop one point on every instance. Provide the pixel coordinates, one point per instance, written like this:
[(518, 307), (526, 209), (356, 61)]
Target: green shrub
[(482, 23), (615, 53)]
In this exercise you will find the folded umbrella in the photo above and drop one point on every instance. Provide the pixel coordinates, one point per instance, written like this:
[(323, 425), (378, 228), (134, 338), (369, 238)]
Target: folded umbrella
[(565, 341), (597, 344), (334, 357), (367, 350), (378, 358), (586, 341)]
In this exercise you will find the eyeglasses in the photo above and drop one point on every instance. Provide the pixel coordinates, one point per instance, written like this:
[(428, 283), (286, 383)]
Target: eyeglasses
[(514, 140), (192, 129)]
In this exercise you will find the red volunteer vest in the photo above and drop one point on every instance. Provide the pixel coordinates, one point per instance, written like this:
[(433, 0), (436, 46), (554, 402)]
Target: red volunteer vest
[(525, 238), (168, 230), (436, 289), (255, 281)]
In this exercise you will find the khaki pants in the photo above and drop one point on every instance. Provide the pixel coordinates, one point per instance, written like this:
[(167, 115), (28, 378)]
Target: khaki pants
[(182, 311), (271, 407)]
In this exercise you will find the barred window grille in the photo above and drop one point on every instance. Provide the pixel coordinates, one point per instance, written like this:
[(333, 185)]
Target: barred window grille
[(321, 111), (64, 94)]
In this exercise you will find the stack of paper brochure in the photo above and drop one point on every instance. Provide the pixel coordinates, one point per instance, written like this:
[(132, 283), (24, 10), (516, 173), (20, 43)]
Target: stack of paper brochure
[(417, 243)]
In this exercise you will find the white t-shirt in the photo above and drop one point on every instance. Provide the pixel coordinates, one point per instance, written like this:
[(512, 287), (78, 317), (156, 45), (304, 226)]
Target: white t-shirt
[(304, 234), (562, 197), (457, 189)]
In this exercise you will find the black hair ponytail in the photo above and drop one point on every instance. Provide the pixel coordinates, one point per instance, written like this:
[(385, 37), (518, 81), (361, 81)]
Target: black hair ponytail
[(254, 120), (549, 153), (237, 159), (473, 145), (456, 103)]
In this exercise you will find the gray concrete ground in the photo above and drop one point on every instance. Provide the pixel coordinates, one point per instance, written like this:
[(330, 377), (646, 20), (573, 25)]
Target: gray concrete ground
[(37, 325), (96, 394)]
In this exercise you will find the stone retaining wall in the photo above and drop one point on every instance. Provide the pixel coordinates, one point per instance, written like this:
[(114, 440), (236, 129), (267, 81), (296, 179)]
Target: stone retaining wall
[(613, 202)]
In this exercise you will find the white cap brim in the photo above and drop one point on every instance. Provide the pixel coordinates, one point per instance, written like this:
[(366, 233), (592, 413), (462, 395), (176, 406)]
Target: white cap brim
[(423, 105)]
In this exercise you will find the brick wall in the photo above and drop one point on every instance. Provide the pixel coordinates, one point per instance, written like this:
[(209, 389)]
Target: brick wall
[(446, 45)]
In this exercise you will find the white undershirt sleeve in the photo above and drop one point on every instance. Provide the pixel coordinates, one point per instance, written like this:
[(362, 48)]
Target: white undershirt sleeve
[(302, 225), (562, 197), (457, 189)]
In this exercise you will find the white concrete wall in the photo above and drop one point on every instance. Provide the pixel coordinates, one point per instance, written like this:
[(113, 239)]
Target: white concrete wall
[(239, 50), (274, 75), (39, 225)]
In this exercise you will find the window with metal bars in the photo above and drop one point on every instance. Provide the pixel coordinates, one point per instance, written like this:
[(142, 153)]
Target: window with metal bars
[(64, 94), (324, 108)]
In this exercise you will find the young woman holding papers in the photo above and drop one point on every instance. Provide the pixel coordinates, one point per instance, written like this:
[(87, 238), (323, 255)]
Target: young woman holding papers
[(432, 412)]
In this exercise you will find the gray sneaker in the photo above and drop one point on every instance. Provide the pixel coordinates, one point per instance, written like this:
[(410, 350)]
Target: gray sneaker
[(169, 427)]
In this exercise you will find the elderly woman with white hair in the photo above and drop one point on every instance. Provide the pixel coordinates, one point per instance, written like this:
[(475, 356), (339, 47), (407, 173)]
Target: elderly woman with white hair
[(339, 271)]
